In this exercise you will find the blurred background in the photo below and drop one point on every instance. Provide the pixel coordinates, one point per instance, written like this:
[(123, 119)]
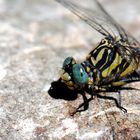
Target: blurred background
[(35, 38)]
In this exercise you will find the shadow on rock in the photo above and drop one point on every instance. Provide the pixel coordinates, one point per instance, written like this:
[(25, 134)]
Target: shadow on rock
[(59, 90)]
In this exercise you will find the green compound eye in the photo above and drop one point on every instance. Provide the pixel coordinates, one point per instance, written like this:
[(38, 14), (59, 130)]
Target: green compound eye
[(68, 62), (79, 74)]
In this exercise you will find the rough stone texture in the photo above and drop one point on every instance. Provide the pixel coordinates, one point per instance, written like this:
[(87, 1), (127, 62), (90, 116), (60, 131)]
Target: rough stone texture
[(35, 38)]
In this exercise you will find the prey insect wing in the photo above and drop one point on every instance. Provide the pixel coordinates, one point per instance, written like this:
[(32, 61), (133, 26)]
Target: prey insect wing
[(96, 16)]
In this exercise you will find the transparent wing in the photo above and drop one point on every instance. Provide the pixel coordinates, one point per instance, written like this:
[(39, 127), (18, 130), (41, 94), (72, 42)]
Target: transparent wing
[(95, 15)]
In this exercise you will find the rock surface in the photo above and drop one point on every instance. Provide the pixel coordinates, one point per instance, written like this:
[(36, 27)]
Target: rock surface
[(35, 37)]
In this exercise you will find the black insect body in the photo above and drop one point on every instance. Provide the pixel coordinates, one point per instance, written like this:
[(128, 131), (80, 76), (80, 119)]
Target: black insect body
[(110, 65)]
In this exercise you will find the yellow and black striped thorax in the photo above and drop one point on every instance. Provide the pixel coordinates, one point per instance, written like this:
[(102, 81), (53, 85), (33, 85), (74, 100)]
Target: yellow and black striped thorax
[(110, 62)]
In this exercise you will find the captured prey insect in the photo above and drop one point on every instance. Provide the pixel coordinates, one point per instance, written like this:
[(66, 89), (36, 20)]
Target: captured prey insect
[(113, 63)]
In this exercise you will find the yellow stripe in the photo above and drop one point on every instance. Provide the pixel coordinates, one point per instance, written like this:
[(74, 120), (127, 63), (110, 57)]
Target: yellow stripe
[(129, 69), (106, 59), (119, 83), (115, 63), (99, 56), (93, 61)]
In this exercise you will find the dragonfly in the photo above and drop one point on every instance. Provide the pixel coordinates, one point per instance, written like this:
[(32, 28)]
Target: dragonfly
[(113, 62)]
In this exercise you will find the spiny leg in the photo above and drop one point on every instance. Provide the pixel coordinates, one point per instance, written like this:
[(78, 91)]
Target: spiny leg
[(114, 99), (113, 89), (116, 90), (120, 98), (85, 104)]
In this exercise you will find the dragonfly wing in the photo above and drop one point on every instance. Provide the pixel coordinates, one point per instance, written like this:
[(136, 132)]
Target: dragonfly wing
[(92, 15), (92, 12)]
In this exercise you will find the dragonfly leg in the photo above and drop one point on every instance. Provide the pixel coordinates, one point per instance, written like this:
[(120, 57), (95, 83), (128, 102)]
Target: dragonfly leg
[(114, 99), (83, 106)]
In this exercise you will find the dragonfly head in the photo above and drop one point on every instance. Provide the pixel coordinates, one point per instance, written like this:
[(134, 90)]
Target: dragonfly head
[(73, 74)]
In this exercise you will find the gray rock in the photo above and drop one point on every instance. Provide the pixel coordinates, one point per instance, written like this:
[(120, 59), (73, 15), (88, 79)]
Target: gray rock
[(35, 37)]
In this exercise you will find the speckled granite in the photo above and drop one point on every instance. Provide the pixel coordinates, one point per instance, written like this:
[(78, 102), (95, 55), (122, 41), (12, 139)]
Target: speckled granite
[(35, 38)]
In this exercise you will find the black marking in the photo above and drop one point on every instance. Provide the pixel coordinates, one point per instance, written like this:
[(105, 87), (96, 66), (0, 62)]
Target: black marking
[(103, 59), (95, 52), (111, 57)]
